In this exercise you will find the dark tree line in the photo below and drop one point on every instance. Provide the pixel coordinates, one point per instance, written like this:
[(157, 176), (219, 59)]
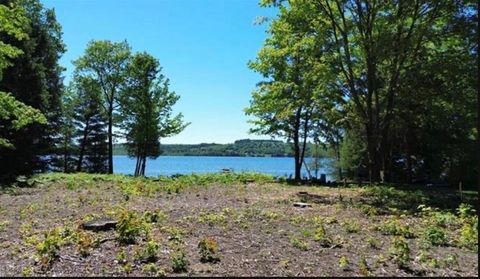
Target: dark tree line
[(390, 85), (46, 126)]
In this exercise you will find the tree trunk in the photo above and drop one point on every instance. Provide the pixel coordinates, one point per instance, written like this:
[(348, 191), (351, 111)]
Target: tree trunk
[(478, 101), (296, 149), (110, 140), (82, 147)]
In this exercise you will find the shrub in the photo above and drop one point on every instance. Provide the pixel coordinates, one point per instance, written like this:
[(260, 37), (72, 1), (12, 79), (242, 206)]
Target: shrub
[(84, 243), (394, 227), (320, 236), (179, 261), (149, 253), (435, 236), (468, 235), (129, 227), (153, 270), (208, 249), (47, 250), (400, 251), (465, 210)]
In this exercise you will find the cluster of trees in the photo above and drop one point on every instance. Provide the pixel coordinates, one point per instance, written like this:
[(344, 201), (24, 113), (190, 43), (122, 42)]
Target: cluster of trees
[(242, 148), (390, 86), (45, 125)]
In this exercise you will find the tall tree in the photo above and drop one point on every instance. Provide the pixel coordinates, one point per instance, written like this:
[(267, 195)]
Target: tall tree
[(105, 62), (90, 123), (289, 102), (146, 106), (14, 115), (65, 157), (34, 78)]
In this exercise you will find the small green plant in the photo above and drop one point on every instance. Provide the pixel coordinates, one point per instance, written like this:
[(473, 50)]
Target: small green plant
[(435, 236), (121, 256), (468, 235), (212, 218), (343, 262), (400, 251), (465, 210), (380, 260), (299, 244), (394, 227), (369, 210), (179, 261), (129, 227), (208, 250), (27, 271), (373, 242), (153, 270), (85, 242), (351, 226), (47, 250), (297, 220), (320, 236), (154, 216), (175, 234), (149, 253), (363, 266)]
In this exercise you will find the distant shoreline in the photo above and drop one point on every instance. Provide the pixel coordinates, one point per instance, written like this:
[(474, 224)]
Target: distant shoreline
[(240, 148)]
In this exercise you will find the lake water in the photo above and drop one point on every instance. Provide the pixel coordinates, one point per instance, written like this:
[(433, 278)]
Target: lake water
[(169, 165)]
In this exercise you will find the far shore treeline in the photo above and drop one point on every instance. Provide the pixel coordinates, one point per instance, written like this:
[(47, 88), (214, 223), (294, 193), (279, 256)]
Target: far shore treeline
[(239, 148)]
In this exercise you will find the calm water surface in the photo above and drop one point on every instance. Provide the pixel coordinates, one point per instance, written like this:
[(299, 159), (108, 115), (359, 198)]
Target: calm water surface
[(169, 165)]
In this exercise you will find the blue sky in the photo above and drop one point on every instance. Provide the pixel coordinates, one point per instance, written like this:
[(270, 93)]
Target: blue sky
[(203, 46)]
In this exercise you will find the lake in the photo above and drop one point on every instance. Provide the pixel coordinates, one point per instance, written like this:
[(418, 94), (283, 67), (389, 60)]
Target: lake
[(169, 165)]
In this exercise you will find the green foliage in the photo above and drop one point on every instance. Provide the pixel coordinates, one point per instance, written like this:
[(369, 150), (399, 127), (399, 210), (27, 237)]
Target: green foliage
[(389, 197), (31, 36), (85, 242), (468, 235), (152, 270), (208, 248), (48, 248), (435, 235), (343, 262), (400, 251), (240, 148), (299, 243), (149, 253), (320, 235), (146, 109), (212, 218), (105, 64), (17, 115), (154, 216), (13, 22), (395, 227), (179, 260), (363, 266), (129, 227), (351, 226)]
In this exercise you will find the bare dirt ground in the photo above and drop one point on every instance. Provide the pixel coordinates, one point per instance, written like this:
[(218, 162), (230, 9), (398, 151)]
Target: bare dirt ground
[(255, 225)]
